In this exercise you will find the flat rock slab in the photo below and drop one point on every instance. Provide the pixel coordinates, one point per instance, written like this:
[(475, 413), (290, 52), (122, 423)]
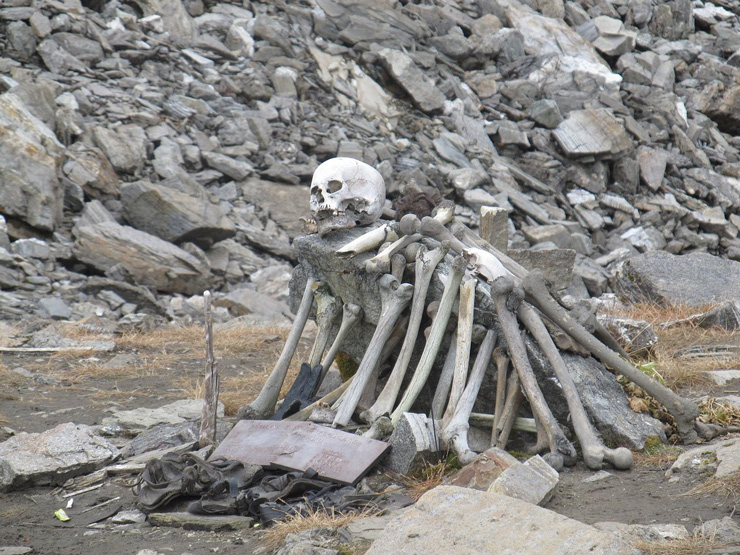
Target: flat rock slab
[(334, 454), (592, 133), (172, 413), (213, 523), (533, 482), (696, 279), (463, 521), (52, 457), (724, 455)]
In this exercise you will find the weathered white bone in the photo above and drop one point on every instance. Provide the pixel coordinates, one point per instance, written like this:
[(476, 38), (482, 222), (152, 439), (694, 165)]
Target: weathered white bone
[(445, 379), (351, 314), (485, 264), (502, 366), (344, 193), (369, 241), (327, 310), (514, 398), (398, 266), (456, 431), (521, 423), (426, 262), (394, 298), (369, 394), (462, 351), (682, 410), (264, 405), (594, 451), (507, 300), (472, 240), (436, 230), (434, 341)]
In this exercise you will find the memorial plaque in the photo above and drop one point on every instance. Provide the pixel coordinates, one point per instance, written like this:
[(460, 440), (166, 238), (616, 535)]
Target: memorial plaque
[(333, 454)]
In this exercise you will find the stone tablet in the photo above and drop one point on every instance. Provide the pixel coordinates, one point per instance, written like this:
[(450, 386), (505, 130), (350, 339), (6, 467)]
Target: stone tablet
[(334, 454)]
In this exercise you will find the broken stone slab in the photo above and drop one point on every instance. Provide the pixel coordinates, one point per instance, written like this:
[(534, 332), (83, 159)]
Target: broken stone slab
[(534, 481), (594, 133), (722, 457), (174, 17), (145, 259), (462, 520), (484, 470), (174, 216), (364, 529), (244, 301), (723, 377), (413, 442), (124, 146), (424, 94), (136, 420), (695, 279), (211, 523), (52, 457), (608, 35), (30, 156), (648, 533)]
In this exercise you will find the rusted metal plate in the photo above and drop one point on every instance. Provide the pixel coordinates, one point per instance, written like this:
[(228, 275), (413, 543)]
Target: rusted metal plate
[(334, 454)]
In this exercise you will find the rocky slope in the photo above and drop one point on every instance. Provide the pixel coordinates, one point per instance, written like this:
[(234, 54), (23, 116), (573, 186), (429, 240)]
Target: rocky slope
[(155, 148)]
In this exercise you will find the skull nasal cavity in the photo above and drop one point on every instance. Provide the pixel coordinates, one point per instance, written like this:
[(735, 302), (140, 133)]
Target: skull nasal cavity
[(335, 185)]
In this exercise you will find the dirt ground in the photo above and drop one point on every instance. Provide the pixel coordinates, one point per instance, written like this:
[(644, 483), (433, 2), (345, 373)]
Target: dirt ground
[(42, 390)]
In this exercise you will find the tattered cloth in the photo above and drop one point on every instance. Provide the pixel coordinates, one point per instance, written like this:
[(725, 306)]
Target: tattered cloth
[(231, 487)]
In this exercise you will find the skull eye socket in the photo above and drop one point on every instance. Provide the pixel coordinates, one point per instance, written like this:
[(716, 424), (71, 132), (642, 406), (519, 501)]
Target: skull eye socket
[(334, 185)]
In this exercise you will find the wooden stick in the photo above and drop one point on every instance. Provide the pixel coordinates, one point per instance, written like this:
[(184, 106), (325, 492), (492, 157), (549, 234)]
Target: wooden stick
[(209, 419)]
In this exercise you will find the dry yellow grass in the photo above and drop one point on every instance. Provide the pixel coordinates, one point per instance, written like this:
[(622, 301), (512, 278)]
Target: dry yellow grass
[(680, 372), (273, 537), (428, 477), (727, 487), (656, 454), (698, 543)]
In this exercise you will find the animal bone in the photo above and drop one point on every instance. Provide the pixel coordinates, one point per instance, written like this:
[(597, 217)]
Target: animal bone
[(507, 299), (398, 266), (514, 398), (594, 451), (345, 193), (445, 379), (327, 310), (502, 366), (426, 262), (394, 298), (456, 431), (264, 405), (682, 410), (457, 269), (369, 241), (462, 351), (351, 314)]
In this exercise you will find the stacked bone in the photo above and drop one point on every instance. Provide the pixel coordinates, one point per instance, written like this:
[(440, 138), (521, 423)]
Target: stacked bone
[(343, 194)]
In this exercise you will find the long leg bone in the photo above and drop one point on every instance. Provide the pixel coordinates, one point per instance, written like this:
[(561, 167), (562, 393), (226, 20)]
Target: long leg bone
[(445, 379), (351, 314), (514, 398), (369, 241), (431, 348), (462, 352), (456, 432), (502, 365), (594, 451), (507, 299), (426, 262), (394, 298), (264, 405), (327, 310), (398, 266), (683, 410), (369, 395)]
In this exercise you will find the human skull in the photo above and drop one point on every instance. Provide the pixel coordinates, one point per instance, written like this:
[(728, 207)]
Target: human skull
[(345, 193)]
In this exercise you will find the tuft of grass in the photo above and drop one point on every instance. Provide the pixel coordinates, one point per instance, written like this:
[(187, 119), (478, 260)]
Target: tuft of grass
[(683, 332), (428, 477), (656, 454), (309, 519), (698, 543), (723, 413), (725, 486)]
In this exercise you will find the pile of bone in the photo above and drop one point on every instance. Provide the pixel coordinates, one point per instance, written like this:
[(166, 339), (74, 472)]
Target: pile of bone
[(345, 194)]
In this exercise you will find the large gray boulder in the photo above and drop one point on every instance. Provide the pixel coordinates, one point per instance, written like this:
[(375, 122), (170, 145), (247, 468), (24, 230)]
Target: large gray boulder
[(124, 252), (29, 158), (173, 215), (52, 457), (467, 521), (696, 279)]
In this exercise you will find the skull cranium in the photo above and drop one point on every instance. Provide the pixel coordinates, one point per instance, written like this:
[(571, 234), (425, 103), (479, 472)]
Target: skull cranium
[(346, 193)]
